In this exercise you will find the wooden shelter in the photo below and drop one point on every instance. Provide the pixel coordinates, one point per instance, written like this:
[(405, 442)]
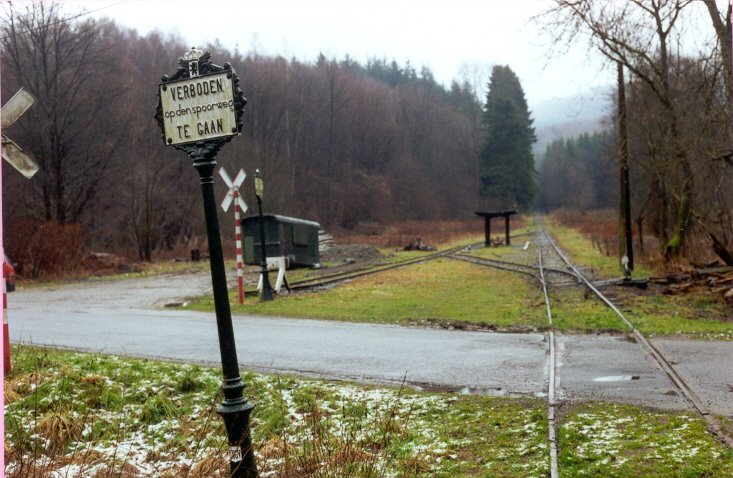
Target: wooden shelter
[(487, 224)]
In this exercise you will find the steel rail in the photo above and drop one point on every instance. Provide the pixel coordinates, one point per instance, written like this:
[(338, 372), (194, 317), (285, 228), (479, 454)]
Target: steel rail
[(551, 404), (353, 274), (507, 266), (537, 273), (674, 376), (510, 266)]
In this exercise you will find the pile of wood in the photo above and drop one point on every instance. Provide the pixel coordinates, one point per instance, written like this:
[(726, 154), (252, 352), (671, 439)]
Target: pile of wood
[(418, 245), (718, 279), (325, 240)]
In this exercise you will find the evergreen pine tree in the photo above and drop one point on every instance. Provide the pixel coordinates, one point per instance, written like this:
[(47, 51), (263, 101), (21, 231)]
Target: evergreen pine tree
[(506, 163)]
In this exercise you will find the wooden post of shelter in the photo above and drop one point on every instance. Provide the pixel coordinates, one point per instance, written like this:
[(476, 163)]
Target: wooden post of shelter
[(487, 224)]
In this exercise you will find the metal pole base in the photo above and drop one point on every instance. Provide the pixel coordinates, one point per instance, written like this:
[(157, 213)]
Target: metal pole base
[(266, 294), (241, 453)]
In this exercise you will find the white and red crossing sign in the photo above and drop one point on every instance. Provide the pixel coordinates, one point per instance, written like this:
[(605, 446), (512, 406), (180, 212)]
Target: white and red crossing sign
[(239, 204), (13, 154)]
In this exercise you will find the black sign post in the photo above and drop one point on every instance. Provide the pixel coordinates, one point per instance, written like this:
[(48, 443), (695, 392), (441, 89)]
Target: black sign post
[(199, 110), (266, 294)]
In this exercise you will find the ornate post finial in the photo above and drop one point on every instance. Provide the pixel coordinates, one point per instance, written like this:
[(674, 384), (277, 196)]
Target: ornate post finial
[(192, 56)]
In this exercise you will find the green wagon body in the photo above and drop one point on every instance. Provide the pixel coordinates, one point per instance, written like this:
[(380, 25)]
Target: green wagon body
[(296, 239)]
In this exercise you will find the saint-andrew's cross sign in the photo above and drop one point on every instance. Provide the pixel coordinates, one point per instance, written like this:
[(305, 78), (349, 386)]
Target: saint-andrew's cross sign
[(239, 205), (12, 153)]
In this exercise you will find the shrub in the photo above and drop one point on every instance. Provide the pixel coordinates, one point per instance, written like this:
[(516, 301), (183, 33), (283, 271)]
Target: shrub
[(41, 248)]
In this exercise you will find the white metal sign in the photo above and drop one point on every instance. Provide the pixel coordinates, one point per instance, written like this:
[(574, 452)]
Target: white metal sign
[(199, 108), (233, 187), (13, 154)]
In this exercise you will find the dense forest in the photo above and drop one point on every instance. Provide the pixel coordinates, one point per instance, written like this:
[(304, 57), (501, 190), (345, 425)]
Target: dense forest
[(343, 142), (588, 162), (337, 141)]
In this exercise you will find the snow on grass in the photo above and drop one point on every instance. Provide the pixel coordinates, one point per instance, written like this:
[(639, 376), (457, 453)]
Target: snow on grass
[(158, 419), (155, 418), (621, 440)]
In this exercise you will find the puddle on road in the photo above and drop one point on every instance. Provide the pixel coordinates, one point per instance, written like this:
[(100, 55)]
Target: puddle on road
[(616, 378), (494, 392)]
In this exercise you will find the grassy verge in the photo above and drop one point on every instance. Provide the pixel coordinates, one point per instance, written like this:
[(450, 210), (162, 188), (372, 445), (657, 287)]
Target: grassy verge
[(96, 416), (145, 270), (697, 313), (599, 439), (446, 291), (441, 290), (580, 250), (86, 415), (572, 311), (513, 253)]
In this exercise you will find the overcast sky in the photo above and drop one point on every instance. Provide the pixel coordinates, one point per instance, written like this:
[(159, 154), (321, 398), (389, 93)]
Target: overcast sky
[(449, 36)]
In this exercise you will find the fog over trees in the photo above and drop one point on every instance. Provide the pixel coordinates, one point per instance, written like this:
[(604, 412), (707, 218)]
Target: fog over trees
[(679, 109)]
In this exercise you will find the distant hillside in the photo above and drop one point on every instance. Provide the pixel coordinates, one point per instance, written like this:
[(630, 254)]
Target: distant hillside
[(568, 117)]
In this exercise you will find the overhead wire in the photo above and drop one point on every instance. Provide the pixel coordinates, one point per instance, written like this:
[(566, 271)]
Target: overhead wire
[(59, 21)]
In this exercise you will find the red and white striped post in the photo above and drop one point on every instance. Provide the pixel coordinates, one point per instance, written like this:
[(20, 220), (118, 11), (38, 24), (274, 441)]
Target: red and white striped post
[(9, 114), (6, 333), (240, 248), (239, 204)]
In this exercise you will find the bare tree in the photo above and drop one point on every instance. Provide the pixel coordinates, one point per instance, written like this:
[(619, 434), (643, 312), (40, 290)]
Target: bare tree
[(642, 36), (74, 130), (723, 32)]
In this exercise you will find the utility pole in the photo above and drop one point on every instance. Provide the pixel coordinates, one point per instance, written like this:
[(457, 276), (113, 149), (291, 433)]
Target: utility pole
[(626, 247)]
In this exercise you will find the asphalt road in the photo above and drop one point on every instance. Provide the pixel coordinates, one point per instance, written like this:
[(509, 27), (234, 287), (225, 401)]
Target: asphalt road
[(128, 318)]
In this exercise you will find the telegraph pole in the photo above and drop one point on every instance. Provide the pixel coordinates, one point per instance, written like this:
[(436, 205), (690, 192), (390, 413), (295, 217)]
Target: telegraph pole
[(626, 246)]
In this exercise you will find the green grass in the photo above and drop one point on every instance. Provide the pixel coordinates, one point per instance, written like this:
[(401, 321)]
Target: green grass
[(162, 420), (573, 311), (696, 315), (441, 290), (70, 410), (580, 250), (512, 253), (448, 291), (600, 439)]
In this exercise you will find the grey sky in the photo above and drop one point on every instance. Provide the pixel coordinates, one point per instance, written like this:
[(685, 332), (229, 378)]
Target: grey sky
[(452, 37)]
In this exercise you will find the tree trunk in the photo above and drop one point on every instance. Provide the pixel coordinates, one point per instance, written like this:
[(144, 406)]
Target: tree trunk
[(721, 250)]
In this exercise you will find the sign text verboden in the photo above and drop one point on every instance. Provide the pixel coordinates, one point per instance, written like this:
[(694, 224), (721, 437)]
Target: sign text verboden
[(200, 108)]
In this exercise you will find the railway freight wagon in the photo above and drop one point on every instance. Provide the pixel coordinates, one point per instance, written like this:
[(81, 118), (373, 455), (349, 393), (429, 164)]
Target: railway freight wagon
[(293, 238)]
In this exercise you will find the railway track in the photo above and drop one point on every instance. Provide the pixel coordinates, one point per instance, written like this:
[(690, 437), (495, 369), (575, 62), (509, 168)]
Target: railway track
[(330, 279), (551, 369), (553, 269), (677, 380), (540, 273), (561, 272), (563, 277)]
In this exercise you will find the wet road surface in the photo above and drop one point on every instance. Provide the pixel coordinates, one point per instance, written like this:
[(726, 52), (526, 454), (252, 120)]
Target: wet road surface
[(126, 317)]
